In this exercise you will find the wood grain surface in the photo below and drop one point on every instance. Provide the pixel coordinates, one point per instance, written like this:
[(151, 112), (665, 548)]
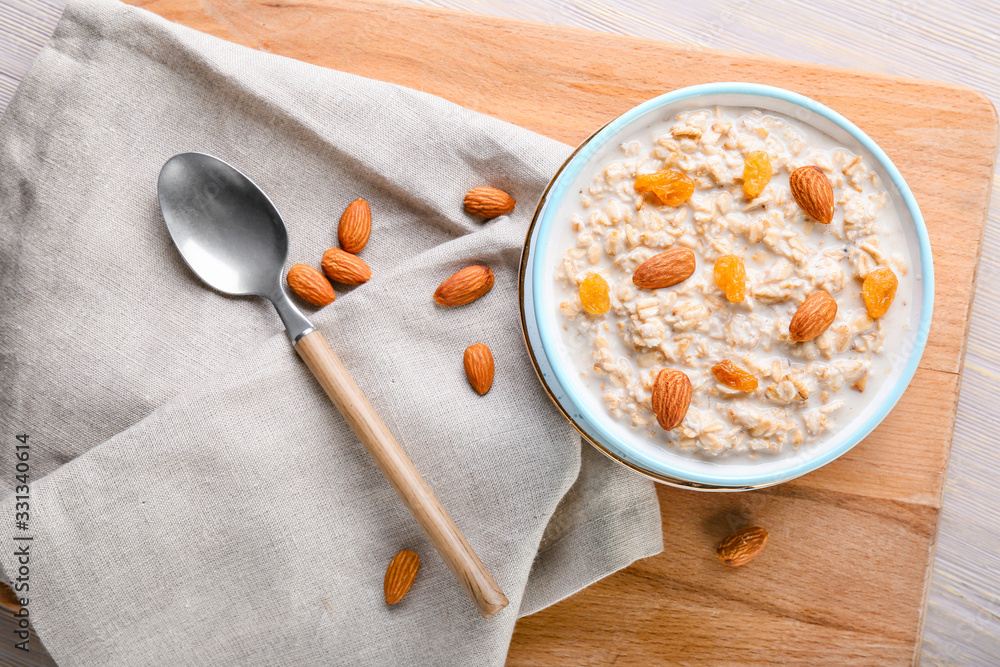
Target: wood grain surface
[(845, 573)]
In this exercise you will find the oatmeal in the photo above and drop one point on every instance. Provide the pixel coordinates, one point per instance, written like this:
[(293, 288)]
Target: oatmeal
[(692, 251)]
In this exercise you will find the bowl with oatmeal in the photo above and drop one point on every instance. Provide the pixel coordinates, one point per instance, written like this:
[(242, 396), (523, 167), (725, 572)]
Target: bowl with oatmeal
[(726, 287)]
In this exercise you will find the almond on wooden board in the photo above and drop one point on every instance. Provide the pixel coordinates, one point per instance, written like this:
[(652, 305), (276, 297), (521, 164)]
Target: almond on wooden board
[(485, 202), (742, 546), (465, 286), (479, 367), (665, 269), (343, 267), (813, 192), (355, 226), (813, 317), (671, 397), (399, 575), (310, 285)]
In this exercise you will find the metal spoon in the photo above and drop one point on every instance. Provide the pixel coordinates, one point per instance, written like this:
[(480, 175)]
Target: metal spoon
[(232, 237)]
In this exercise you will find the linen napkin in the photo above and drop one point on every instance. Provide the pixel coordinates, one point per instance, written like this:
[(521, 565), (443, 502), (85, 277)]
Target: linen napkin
[(195, 497)]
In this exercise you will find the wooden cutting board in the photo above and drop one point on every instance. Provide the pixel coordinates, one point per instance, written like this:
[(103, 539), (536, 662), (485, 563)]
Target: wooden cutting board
[(845, 574)]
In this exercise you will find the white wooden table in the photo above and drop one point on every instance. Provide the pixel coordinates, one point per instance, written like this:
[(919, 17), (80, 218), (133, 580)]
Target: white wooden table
[(950, 40)]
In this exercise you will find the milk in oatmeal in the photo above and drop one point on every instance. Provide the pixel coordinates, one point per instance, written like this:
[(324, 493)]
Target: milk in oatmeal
[(805, 389)]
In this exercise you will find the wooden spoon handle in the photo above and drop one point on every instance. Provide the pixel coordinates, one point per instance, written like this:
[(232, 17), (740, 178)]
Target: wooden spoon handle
[(401, 473)]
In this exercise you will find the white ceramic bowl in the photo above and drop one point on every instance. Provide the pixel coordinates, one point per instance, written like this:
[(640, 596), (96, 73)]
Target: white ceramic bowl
[(560, 376)]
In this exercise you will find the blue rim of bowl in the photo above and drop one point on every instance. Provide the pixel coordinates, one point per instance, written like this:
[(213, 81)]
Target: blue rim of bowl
[(544, 217)]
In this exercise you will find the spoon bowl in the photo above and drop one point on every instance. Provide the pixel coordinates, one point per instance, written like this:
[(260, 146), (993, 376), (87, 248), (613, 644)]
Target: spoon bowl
[(226, 228), (228, 231)]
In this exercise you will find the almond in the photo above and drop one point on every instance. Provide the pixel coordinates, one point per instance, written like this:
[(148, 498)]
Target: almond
[(671, 397), (465, 286), (479, 367), (813, 317), (399, 575), (742, 546), (355, 226), (813, 192), (488, 202), (310, 285), (343, 267), (665, 269)]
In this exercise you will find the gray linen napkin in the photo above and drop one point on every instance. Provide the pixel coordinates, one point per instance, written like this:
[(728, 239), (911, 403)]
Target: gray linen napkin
[(196, 499)]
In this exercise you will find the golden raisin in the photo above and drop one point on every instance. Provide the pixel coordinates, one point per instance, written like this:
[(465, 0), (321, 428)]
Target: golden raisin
[(594, 294), (733, 376), (731, 277), (878, 291), (671, 187), (756, 173)]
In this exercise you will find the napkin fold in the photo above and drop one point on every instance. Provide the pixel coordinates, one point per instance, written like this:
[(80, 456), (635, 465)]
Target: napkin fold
[(196, 499)]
